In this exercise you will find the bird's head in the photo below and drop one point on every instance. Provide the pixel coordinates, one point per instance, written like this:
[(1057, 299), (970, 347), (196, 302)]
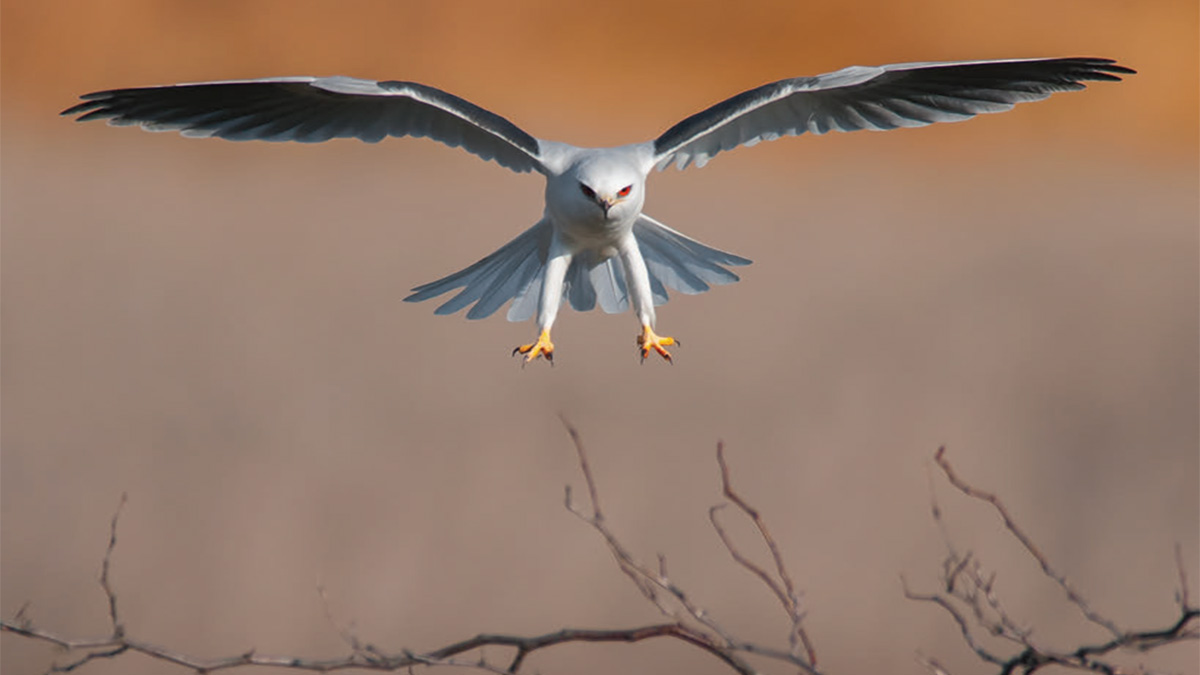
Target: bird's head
[(603, 189)]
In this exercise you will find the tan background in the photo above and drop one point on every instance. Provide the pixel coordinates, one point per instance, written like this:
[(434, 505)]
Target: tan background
[(216, 329)]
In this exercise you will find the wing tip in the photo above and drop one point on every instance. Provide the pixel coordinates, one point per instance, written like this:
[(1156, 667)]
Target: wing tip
[(84, 108), (1103, 69)]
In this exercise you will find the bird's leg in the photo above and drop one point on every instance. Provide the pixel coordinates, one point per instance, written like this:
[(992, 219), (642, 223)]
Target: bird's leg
[(554, 273), (650, 340), (543, 347), (637, 279)]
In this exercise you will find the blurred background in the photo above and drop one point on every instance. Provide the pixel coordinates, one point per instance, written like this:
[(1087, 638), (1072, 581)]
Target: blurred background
[(217, 330)]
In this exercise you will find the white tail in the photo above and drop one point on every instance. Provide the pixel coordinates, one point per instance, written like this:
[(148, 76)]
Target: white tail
[(515, 271)]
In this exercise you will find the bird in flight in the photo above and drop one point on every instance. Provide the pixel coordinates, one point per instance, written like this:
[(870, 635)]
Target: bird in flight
[(592, 244)]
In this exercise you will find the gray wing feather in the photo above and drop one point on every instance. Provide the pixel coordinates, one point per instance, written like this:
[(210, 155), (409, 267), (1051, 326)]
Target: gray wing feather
[(874, 98), (315, 109)]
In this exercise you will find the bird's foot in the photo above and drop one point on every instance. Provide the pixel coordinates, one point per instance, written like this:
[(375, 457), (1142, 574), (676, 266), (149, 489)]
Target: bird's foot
[(649, 340), (543, 348)]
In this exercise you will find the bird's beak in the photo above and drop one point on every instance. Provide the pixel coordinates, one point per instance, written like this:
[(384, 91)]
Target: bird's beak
[(606, 203)]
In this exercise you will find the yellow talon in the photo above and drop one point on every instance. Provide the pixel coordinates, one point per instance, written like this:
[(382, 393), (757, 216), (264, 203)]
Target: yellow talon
[(543, 347), (649, 340)]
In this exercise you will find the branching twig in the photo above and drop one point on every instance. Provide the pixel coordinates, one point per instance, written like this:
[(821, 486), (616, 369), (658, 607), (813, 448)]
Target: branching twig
[(966, 586), (952, 610), (785, 592), (1073, 595), (653, 584), (965, 580)]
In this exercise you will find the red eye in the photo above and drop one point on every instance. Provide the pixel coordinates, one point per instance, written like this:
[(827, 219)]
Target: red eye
[(587, 191), (625, 191)]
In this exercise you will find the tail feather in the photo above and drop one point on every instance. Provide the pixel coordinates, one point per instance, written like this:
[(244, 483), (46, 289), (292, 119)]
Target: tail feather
[(681, 262), (507, 283), (516, 272), (509, 272), (524, 306), (474, 287), (608, 280), (658, 290), (590, 283), (578, 288)]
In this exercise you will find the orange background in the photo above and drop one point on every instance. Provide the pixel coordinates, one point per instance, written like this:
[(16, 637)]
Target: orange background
[(216, 329), (621, 69)]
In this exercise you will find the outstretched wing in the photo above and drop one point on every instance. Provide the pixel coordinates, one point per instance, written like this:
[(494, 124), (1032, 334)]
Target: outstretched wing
[(314, 109), (876, 98)]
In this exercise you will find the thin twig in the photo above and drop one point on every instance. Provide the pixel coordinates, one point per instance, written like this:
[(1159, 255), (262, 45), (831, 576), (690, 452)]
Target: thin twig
[(343, 632), (117, 628), (1182, 596), (581, 455), (786, 593), (746, 563), (932, 664)]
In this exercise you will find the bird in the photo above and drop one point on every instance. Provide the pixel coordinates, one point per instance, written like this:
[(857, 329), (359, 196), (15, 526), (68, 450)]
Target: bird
[(593, 244)]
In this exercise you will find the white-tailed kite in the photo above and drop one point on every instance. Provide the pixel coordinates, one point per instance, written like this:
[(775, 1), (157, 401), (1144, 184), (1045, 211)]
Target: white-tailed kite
[(593, 244)]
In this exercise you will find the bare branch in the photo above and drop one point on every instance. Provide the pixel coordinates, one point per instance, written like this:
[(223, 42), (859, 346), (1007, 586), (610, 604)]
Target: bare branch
[(968, 593), (1073, 595), (370, 658), (965, 585), (690, 624)]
